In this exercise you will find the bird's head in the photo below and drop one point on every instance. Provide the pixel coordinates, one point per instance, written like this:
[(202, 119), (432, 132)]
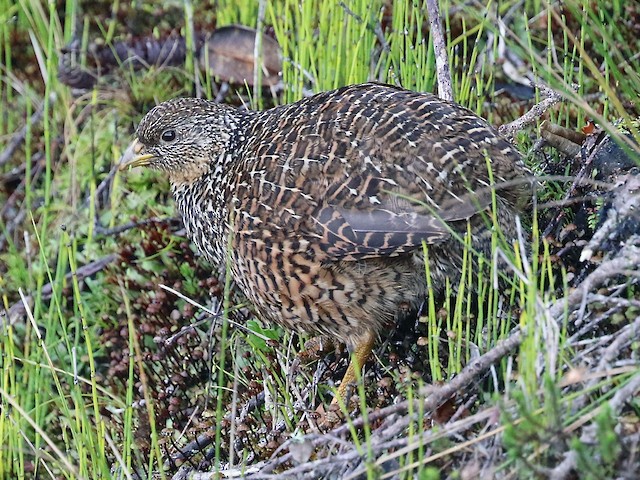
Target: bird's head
[(183, 137)]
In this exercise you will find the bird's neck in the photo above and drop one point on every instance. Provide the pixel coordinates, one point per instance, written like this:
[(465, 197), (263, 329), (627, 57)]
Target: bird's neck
[(204, 202), (204, 212)]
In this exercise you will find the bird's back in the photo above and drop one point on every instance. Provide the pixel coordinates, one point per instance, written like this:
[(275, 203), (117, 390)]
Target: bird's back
[(370, 170)]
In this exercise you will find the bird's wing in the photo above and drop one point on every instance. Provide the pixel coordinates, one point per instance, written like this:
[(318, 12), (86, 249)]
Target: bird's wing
[(391, 227)]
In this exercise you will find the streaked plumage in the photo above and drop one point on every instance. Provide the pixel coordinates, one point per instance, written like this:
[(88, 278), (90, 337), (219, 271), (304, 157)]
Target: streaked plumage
[(323, 204)]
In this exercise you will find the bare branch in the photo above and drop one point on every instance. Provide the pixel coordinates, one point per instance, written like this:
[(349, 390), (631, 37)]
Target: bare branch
[(442, 61)]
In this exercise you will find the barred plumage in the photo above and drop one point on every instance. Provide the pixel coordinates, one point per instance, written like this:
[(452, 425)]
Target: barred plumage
[(323, 204)]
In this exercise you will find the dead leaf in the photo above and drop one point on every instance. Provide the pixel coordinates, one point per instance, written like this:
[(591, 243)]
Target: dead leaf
[(229, 55)]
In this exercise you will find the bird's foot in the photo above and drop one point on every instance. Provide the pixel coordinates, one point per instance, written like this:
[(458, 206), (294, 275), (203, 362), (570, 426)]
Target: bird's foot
[(329, 417), (317, 347)]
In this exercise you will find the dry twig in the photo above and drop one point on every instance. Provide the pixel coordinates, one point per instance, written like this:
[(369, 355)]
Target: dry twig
[(442, 61), (551, 97), (18, 309), (21, 134)]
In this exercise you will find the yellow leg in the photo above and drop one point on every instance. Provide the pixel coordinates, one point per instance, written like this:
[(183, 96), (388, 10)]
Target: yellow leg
[(358, 358)]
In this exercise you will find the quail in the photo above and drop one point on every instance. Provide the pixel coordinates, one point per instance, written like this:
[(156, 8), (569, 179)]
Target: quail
[(321, 207)]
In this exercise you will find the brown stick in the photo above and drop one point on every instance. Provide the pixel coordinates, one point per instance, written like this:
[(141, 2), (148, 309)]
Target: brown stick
[(442, 61), (20, 135), (18, 309), (551, 97)]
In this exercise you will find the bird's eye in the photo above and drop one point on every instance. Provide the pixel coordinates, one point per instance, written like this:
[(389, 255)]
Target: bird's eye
[(168, 135)]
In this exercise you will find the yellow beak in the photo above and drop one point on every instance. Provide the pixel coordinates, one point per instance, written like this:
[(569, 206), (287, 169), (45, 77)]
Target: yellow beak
[(134, 156)]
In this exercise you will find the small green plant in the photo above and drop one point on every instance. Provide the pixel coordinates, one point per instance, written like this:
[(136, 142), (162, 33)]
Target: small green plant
[(598, 458), (534, 434)]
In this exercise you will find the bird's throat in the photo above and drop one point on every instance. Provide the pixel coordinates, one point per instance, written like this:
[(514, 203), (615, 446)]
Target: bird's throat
[(189, 173)]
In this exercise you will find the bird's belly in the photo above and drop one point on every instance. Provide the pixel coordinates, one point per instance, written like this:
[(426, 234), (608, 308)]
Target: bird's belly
[(344, 300)]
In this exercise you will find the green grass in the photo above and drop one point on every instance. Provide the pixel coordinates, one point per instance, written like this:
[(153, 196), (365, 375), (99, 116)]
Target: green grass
[(63, 414)]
